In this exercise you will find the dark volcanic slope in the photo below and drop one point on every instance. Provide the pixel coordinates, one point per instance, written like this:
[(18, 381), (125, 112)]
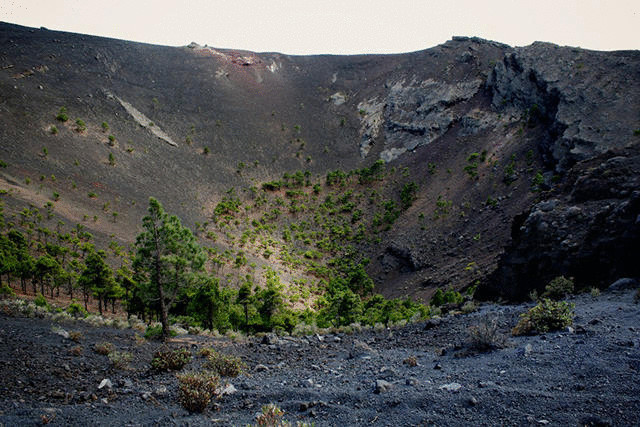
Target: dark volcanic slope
[(534, 111), (587, 376)]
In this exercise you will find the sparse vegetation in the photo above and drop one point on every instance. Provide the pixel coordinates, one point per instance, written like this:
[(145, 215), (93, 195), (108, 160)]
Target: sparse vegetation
[(195, 390), (547, 315), (170, 360), (81, 126), (103, 348), (224, 365), (120, 359), (486, 336), (558, 288), (62, 115)]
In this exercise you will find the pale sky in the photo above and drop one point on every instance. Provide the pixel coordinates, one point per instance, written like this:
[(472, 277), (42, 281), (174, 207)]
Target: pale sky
[(338, 26)]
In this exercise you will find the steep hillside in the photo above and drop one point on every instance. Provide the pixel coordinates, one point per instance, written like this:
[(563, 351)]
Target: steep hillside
[(472, 134)]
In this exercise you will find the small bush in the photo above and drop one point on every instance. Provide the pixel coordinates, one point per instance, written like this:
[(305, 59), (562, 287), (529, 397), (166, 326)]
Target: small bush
[(271, 416), (76, 335), (170, 360), (40, 301), (120, 359), (195, 390), (410, 361), (595, 292), (62, 115), (486, 337), (77, 310), (558, 288), (76, 351), (6, 291), (547, 316), (105, 126), (80, 125), (224, 365), (103, 348), (155, 332), (53, 130)]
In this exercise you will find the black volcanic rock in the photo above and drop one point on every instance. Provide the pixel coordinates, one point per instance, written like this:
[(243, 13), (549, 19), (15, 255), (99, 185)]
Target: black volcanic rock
[(590, 231)]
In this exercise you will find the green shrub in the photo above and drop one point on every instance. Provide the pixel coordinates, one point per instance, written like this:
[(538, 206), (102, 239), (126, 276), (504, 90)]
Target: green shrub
[(224, 365), (112, 138), (6, 291), (62, 115), (155, 332), (170, 360), (105, 126), (558, 288), (77, 310), (271, 416), (448, 297), (40, 301), (195, 390), (80, 125), (53, 130), (547, 316), (120, 359)]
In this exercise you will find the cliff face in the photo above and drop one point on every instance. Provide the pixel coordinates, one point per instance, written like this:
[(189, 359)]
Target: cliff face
[(488, 133)]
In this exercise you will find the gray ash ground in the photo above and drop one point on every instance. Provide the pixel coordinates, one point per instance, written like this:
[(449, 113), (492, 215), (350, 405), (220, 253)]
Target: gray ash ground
[(588, 376)]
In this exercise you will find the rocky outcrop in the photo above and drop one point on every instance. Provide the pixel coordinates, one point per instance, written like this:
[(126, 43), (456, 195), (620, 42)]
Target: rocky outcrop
[(590, 230), (584, 97), (418, 113)]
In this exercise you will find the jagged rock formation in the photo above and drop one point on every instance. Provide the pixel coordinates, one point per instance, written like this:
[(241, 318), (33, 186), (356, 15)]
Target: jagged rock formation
[(590, 230)]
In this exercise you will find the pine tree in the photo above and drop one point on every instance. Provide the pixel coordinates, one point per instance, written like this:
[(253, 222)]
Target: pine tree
[(98, 276), (167, 255)]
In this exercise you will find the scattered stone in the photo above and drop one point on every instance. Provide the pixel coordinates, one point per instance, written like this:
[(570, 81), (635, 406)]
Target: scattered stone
[(360, 349), (437, 366), (472, 401), (382, 386), (432, 323), (59, 331), (228, 389), (146, 395), (412, 381), (160, 391), (452, 387), (105, 383), (260, 368), (58, 394), (269, 339), (527, 350)]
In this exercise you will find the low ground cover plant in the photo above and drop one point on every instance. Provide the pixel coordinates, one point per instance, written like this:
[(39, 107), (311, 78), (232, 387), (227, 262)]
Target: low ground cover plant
[(196, 389), (170, 360), (546, 316)]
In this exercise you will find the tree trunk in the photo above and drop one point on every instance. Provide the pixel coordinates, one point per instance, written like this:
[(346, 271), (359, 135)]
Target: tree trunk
[(164, 315)]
